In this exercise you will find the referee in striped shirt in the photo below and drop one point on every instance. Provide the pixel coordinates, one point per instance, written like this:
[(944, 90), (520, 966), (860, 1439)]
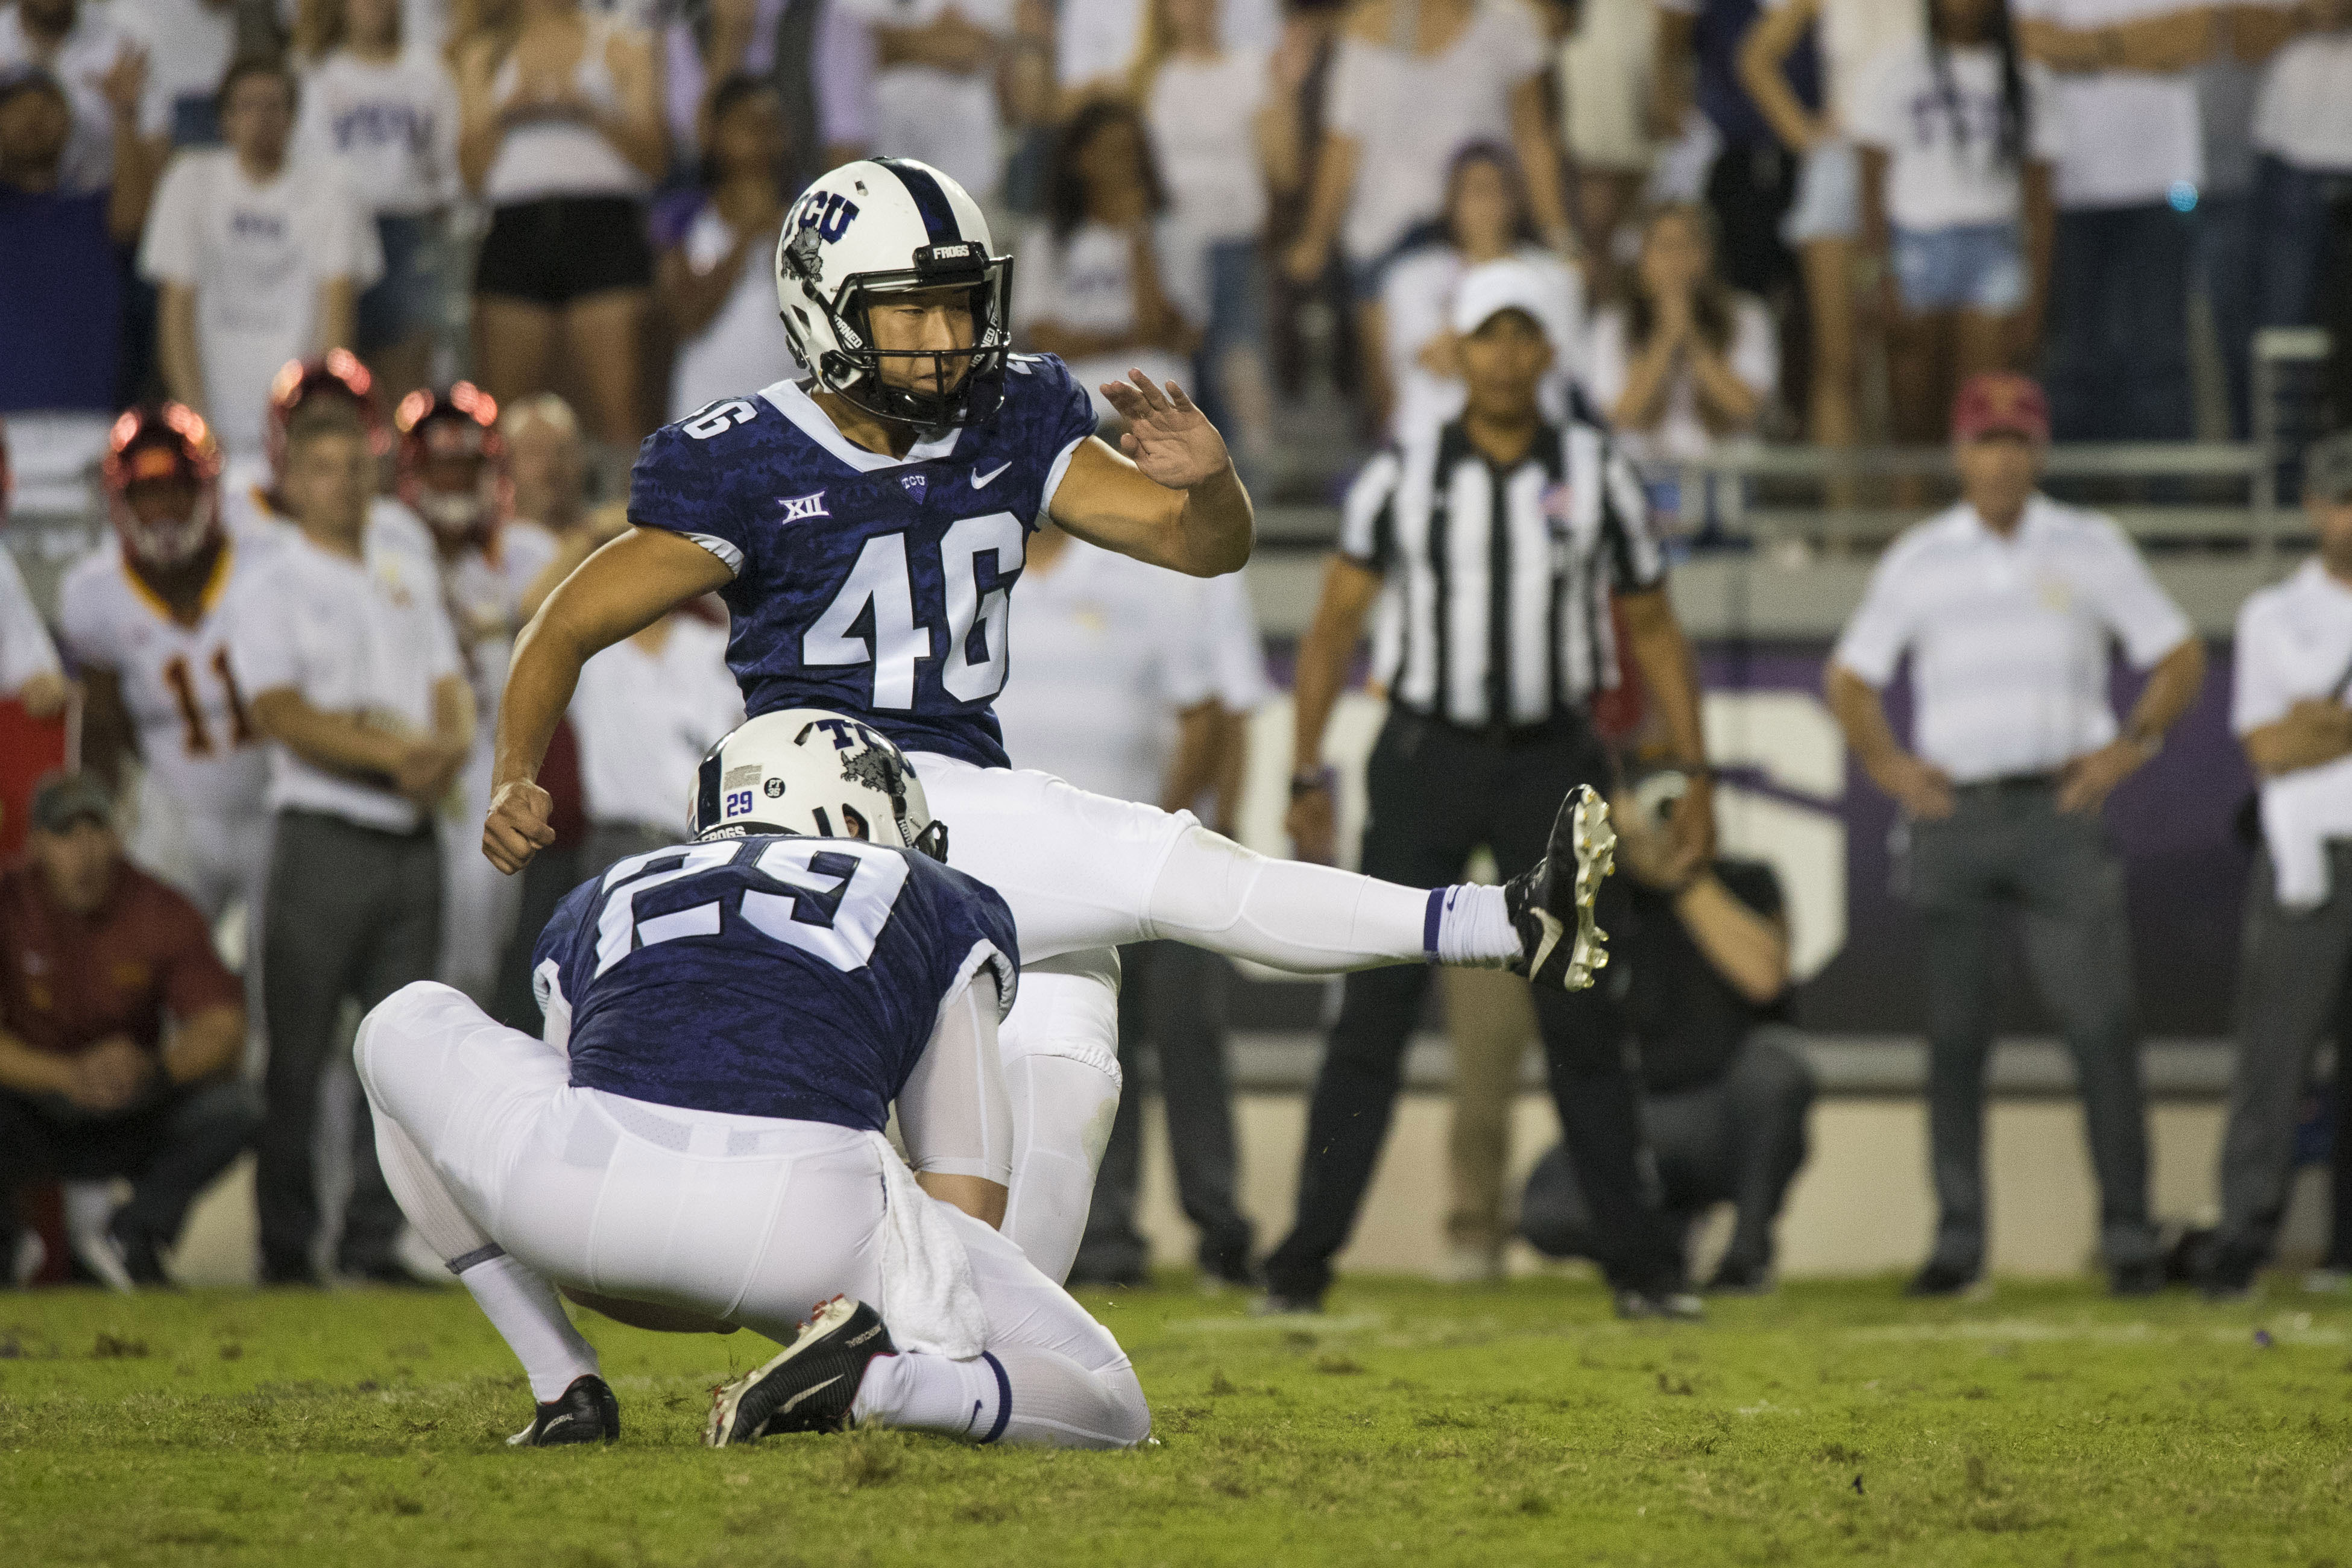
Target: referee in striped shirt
[(1492, 546)]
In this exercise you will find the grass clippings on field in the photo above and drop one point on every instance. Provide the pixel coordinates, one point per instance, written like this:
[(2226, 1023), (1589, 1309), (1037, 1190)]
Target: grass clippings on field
[(1522, 1424)]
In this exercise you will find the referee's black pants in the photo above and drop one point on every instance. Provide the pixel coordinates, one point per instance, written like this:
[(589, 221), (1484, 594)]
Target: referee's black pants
[(1437, 793)]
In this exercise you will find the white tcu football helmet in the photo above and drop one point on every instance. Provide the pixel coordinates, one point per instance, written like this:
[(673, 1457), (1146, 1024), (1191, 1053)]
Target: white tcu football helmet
[(887, 225), (813, 773)]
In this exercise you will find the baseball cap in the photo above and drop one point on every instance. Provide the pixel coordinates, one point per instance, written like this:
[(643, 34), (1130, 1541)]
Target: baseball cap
[(61, 799), (1507, 285), (2327, 468), (2000, 402)]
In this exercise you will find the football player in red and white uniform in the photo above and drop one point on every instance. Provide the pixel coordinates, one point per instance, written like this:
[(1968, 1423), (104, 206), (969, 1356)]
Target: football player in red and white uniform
[(147, 619), (453, 476)]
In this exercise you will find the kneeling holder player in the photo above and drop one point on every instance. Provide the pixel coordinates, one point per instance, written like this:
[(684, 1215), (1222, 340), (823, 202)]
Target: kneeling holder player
[(697, 1141)]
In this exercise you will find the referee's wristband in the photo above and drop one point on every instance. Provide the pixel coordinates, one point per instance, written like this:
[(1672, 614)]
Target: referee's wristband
[(1319, 781)]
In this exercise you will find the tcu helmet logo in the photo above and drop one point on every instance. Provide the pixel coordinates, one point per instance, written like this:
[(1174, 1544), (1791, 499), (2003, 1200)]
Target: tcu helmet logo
[(827, 213)]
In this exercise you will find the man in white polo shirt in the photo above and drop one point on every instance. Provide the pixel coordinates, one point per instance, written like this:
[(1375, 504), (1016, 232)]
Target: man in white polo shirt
[(2006, 605), (2131, 160), (357, 684), (2290, 710)]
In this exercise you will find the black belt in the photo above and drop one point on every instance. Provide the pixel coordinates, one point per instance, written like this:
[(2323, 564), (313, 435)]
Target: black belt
[(2008, 784)]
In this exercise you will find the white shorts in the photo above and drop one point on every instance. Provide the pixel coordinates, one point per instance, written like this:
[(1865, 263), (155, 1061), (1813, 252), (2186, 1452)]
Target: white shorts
[(1827, 199), (749, 1219), (1076, 869)]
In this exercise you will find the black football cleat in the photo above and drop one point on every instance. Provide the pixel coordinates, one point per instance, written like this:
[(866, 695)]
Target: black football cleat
[(586, 1412), (1550, 903), (807, 1388)]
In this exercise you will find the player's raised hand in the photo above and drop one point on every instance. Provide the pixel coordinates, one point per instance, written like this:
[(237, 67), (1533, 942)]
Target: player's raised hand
[(1171, 441), (518, 825)]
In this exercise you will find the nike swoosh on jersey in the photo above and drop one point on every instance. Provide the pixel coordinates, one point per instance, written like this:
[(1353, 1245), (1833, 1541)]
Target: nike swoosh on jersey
[(806, 1393), (980, 481)]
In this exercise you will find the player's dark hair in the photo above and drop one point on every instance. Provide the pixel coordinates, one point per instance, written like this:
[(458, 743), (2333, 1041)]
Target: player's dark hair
[(1066, 181), (245, 66), (2015, 111)]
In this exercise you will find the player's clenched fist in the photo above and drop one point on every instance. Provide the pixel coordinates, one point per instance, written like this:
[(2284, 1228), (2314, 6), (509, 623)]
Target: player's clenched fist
[(519, 826)]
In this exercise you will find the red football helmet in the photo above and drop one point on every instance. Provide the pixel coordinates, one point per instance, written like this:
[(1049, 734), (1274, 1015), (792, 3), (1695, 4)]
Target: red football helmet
[(159, 445), (340, 374), (452, 462)]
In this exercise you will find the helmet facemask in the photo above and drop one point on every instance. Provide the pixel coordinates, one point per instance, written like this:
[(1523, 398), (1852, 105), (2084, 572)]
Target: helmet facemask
[(168, 541), (967, 385)]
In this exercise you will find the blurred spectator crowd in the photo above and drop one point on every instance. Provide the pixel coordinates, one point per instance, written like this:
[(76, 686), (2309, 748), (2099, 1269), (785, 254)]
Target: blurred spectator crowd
[(1788, 217)]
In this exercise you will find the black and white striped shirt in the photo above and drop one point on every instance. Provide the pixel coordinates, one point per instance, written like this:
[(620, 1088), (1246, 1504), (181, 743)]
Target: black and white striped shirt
[(1495, 604)]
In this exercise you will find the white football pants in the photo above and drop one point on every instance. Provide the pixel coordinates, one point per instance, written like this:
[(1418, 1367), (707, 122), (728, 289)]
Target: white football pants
[(1083, 874), (749, 1220)]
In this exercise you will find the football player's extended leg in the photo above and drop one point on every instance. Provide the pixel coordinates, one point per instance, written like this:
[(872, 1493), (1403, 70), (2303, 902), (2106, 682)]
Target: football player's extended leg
[(1079, 870), (409, 1053), (1060, 1050)]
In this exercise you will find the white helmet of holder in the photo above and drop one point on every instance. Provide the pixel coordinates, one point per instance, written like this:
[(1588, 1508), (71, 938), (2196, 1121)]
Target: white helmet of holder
[(813, 773), (892, 226)]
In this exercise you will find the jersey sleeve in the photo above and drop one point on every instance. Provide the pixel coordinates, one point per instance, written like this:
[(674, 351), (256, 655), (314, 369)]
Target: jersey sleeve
[(677, 486), (1883, 623), (85, 631), (195, 979), (1069, 419), (169, 252), (555, 984)]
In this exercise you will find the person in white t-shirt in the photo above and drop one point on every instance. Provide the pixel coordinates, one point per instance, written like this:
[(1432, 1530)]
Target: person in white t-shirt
[(1685, 361), (260, 257), (357, 684), (1485, 219), (1223, 129), (1091, 286), (645, 710), (1958, 138), (2130, 160), (716, 272), (1824, 220), (386, 116), (1412, 83), (1607, 122), (102, 69), (935, 85), (2291, 709)]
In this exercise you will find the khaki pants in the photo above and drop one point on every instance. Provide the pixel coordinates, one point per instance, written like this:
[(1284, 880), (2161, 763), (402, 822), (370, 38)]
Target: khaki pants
[(1491, 1019)]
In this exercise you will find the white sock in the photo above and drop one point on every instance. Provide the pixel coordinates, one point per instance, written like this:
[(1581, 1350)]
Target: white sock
[(1058, 1404), (932, 1394), (1470, 923), (523, 1307)]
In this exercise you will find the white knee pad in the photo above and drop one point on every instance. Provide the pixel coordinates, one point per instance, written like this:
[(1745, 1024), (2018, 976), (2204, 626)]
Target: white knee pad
[(1060, 1050)]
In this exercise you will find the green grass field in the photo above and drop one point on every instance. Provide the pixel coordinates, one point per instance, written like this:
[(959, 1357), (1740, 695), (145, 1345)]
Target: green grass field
[(1413, 1423)]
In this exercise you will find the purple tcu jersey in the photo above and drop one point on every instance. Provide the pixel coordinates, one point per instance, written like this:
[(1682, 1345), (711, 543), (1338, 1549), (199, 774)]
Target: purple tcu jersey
[(869, 585), (775, 976)]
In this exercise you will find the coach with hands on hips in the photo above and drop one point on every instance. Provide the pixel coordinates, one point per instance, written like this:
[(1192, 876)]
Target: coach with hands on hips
[(1495, 544), (2007, 603)]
